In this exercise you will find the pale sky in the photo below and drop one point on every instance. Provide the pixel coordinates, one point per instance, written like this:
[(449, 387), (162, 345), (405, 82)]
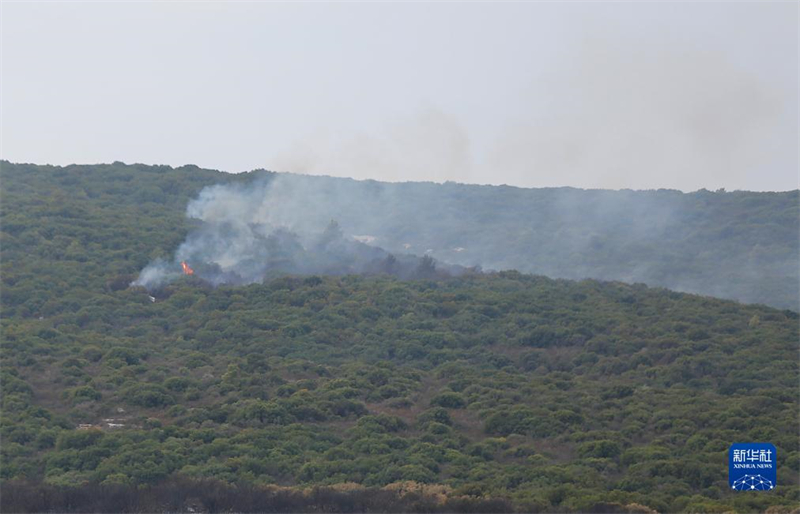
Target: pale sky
[(586, 94)]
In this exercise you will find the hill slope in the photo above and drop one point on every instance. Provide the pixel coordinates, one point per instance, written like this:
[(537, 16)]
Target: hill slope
[(558, 395), (555, 393), (739, 245)]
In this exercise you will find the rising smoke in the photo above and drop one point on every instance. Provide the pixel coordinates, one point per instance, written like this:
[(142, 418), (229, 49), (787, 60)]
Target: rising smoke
[(275, 225)]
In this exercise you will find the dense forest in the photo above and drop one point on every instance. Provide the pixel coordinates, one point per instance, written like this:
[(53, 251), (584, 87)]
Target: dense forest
[(491, 391)]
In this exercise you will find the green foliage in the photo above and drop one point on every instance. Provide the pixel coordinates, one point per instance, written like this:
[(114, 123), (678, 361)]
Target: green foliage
[(86, 393), (449, 400), (78, 439), (560, 395), (599, 449), (147, 395)]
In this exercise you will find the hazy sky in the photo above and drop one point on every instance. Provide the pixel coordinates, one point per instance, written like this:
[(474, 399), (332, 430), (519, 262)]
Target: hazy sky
[(590, 94)]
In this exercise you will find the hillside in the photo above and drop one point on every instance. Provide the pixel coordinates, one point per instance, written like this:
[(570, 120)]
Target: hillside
[(738, 245), (546, 394)]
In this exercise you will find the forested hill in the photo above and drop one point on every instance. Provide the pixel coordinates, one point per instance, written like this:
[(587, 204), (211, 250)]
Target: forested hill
[(554, 395), (738, 245), (483, 392)]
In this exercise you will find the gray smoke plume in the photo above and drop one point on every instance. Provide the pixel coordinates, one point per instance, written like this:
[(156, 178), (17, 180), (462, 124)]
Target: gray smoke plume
[(279, 224), (272, 223)]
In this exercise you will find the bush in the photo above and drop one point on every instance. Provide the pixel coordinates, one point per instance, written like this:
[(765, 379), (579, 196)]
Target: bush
[(148, 395), (600, 449), (85, 393), (449, 400)]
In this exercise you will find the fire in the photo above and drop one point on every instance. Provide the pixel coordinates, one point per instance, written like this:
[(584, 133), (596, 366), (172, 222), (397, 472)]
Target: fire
[(186, 269)]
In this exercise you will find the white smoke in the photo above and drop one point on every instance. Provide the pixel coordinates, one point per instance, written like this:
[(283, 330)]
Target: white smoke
[(156, 273), (283, 224)]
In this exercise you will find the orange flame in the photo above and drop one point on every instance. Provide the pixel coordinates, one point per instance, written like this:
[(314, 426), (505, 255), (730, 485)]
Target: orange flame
[(186, 269)]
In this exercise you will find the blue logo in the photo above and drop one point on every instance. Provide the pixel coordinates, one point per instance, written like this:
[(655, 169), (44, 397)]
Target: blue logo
[(752, 467)]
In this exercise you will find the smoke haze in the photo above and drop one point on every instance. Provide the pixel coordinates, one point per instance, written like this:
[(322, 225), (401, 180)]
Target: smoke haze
[(278, 224), (704, 242)]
